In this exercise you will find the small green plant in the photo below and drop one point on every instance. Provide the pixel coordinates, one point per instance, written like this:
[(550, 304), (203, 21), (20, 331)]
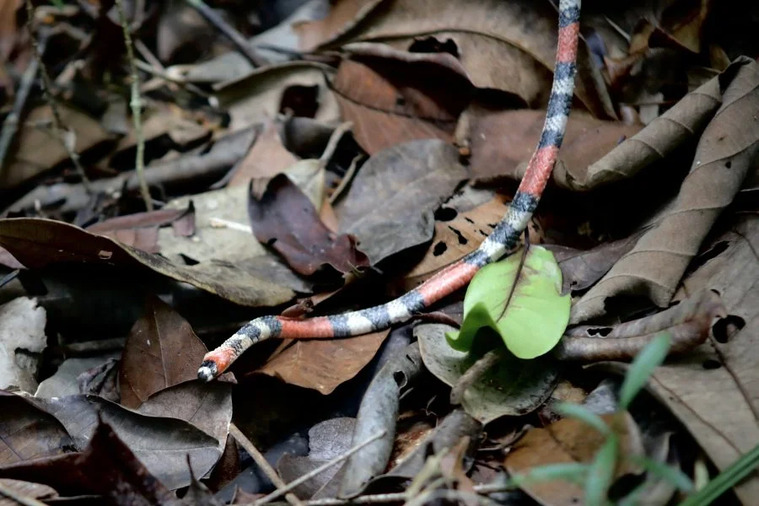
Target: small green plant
[(597, 476), (519, 298)]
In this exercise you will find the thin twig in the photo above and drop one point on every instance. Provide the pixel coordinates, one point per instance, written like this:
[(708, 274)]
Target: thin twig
[(318, 470), (398, 496), (136, 104), (47, 90), (474, 373), (238, 40), (11, 494), (337, 134), (10, 125), (262, 463)]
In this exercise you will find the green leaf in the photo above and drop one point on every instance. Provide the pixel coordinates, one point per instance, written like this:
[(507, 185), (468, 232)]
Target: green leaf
[(601, 472), (532, 319), (642, 367)]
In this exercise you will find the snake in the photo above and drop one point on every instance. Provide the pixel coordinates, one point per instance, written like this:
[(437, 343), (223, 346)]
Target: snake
[(502, 241)]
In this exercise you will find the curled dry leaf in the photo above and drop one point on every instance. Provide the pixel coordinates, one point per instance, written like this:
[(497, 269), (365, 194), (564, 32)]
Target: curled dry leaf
[(393, 96), (40, 242), (688, 324), (390, 203), (661, 137), (714, 389), (161, 351), (723, 157), (566, 441), (502, 142), (323, 365), (379, 411), (285, 219)]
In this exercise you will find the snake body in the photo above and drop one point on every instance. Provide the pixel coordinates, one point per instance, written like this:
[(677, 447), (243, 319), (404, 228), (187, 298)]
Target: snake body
[(501, 241)]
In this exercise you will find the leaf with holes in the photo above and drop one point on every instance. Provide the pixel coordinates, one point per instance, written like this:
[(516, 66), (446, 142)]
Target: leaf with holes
[(520, 298)]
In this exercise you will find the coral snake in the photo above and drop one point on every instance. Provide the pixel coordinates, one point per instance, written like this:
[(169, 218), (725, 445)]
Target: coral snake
[(501, 241)]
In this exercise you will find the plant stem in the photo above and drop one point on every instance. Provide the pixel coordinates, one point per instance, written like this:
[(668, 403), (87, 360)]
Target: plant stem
[(136, 104)]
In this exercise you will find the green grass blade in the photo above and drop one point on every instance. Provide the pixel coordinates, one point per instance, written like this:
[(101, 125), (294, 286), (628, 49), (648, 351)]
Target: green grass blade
[(725, 480), (601, 473), (583, 414), (642, 367)]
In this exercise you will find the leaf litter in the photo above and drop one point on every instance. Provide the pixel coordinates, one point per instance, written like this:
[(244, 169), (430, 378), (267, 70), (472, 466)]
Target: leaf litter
[(398, 129)]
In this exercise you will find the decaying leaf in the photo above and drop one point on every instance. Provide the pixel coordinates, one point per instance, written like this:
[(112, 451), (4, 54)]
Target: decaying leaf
[(570, 440), (661, 137), (502, 142), (713, 390), (39, 242), (27, 432), (502, 45), (392, 96), (259, 94), (267, 158), (390, 204), (39, 149), (106, 467), (379, 412), (512, 388), (141, 230), (581, 269), (688, 325), (519, 298), (724, 155), (160, 443), (285, 219), (324, 365), (161, 351)]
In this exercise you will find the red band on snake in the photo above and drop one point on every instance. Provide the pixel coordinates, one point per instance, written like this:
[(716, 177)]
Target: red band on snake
[(503, 240)]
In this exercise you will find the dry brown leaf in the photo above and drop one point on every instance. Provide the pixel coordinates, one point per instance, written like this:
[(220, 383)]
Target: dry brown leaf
[(38, 242), (723, 157), (161, 351), (140, 230), (342, 17), (457, 237), (391, 200), (714, 390), (687, 323), (393, 96), (502, 142), (581, 269), (38, 147), (323, 365), (660, 138), (566, 441), (267, 158), (501, 45), (259, 94)]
